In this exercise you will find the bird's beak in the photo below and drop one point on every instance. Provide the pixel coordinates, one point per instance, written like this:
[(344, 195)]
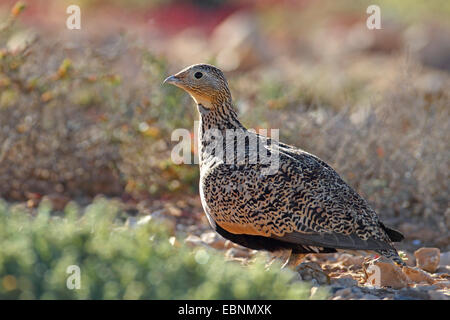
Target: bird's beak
[(172, 80)]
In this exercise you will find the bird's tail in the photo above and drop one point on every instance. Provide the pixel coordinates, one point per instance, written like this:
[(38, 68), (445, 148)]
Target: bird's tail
[(394, 235)]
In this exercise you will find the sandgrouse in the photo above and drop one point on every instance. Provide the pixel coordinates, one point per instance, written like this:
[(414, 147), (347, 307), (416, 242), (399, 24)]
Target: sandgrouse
[(301, 207)]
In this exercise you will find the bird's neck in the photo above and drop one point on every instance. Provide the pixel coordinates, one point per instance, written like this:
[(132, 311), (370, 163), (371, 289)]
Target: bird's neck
[(220, 115), (214, 121)]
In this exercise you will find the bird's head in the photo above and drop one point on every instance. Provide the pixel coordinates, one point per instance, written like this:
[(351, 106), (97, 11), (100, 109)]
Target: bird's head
[(205, 83)]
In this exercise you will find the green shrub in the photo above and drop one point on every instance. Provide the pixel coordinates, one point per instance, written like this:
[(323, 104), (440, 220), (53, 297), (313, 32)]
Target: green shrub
[(117, 262)]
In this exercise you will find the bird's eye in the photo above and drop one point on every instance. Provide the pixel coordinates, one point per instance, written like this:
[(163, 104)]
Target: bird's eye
[(198, 75)]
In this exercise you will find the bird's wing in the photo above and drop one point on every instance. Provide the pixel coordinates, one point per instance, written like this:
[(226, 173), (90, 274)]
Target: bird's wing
[(347, 219), (333, 240), (304, 202)]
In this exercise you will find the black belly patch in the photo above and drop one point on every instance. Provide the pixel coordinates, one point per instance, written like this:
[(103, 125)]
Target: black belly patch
[(268, 244)]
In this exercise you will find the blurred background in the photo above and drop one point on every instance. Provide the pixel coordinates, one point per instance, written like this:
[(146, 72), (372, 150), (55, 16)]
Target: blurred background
[(84, 115)]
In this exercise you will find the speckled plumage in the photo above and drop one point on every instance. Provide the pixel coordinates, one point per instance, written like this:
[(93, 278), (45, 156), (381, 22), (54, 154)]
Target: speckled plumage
[(304, 206)]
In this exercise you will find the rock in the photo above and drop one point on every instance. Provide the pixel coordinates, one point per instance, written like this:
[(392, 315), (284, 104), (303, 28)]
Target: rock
[(370, 297), (159, 218), (437, 295), (144, 220), (443, 284), (417, 275), (344, 281), (350, 293), (436, 51), (172, 210), (410, 259), (193, 240), (313, 291), (312, 270), (228, 245), (428, 258), (237, 253), (442, 269), (350, 260), (213, 240), (382, 272), (244, 47), (343, 294), (411, 294), (445, 259)]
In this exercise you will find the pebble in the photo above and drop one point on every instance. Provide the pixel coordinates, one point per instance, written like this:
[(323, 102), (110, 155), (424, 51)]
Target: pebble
[(349, 260), (370, 297), (313, 291), (436, 295), (344, 282), (312, 270), (410, 259), (417, 275), (382, 272), (213, 240), (237, 253), (411, 294), (193, 240), (428, 259)]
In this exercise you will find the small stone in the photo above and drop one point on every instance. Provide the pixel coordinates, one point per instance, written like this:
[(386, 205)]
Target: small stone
[(428, 259), (349, 260), (370, 297), (193, 240), (312, 270), (417, 275), (436, 295), (443, 284), (313, 291), (144, 220), (443, 270), (343, 293), (162, 219), (229, 244), (173, 241), (410, 259), (237, 253), (213, 240), (412, 294), (345, 281), (382, 272), (245, 47)]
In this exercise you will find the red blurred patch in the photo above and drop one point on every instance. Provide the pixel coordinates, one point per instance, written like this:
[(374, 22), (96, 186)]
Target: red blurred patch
[(176, 17)]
